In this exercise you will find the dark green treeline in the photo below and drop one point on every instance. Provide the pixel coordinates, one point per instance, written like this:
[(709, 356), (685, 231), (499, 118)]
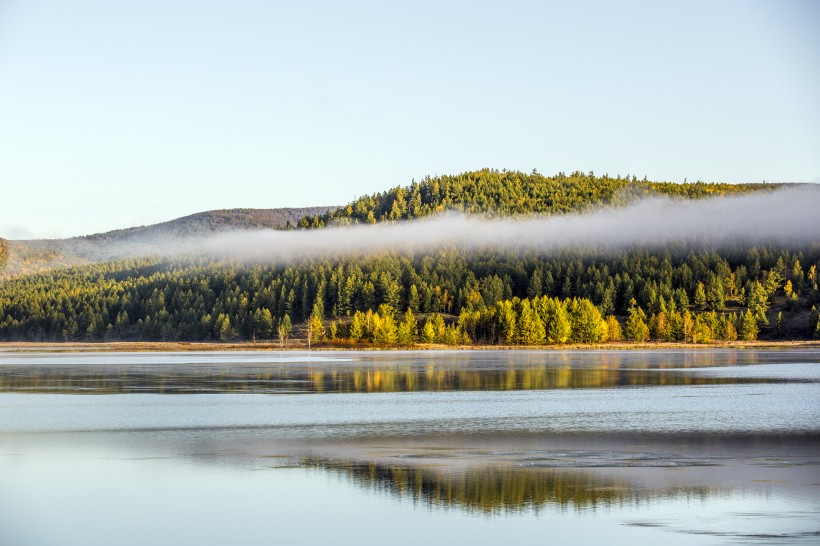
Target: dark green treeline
[(200, 300)]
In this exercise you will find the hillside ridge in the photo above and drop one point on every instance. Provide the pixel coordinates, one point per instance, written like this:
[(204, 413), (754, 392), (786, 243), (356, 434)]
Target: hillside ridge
[(37, 255)]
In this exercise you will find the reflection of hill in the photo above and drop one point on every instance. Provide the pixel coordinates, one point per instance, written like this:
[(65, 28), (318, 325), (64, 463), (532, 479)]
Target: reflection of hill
[(500, 489), (339, 379)]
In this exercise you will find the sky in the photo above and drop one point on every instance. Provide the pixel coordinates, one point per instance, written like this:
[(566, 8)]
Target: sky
[(115, 114)]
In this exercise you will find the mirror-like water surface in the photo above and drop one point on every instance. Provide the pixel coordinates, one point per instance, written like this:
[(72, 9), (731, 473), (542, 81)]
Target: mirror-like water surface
[(482, 447)]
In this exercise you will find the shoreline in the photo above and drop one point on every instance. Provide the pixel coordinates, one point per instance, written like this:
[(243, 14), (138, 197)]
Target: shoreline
[(294, 345)]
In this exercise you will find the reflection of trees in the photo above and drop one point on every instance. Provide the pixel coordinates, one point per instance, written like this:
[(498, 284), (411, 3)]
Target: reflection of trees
[(348, 378), (490, 489)]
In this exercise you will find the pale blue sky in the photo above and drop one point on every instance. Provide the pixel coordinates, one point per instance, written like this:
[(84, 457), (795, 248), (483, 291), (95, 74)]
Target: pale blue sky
[(115, 114)]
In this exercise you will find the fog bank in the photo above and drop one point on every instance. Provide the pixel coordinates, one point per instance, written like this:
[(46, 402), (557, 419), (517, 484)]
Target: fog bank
[(790, 215)]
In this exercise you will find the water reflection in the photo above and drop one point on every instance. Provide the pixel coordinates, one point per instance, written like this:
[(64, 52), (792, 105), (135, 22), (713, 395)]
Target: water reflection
[(500, 489), (368, 377)]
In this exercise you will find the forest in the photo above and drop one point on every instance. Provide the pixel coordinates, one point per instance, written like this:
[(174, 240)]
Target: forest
[(686, 292), (509, 193)]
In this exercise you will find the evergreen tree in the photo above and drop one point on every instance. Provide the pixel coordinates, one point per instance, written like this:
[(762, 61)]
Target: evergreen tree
[(284, 329), (530, 327), (659, 326), (701, 333), (428, 332), (586, 323), (635, 329), (535, 287), (749, 328), (407, 329), (439, 328), (758, 303), (413, 300), (385, 330), (716, 297), (357, 326), (222, 327), (613, 328), (558, 326), (265, 323), (316, 330), (729, 332), (700, 297)]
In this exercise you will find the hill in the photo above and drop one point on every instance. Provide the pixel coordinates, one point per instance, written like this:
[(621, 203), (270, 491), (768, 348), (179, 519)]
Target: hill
[(509, 193), (685, 292), (30, 256), (213, 221)]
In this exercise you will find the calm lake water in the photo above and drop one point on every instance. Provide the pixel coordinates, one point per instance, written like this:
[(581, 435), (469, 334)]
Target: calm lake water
[(466, 447)]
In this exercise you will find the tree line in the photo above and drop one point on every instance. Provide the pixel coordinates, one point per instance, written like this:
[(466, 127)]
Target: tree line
[(155, 299)]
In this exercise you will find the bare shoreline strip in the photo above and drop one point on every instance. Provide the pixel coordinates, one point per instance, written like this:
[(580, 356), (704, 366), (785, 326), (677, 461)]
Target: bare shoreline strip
[(298, 345)]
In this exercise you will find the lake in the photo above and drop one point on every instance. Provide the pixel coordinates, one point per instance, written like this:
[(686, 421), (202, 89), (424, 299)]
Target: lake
[(382, 447)]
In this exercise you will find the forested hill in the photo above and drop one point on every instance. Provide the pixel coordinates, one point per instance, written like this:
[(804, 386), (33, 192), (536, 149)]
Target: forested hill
[(486, 191), (22, 257), (504, 193), (686, 292)]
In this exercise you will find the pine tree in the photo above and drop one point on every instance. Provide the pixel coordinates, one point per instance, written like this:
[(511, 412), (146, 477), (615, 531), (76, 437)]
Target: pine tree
[(439, 328), (535, 286), (729, 332), (585, 320), (222, 327), (701, 333), (659, 326), (385, 331), (558, 326), (635, 329), (413, 300), (316, 330), (265, 324), (716, 296), (357, 326), (613, 328), (506, 320), (454, 335), (700, 297), (407, 329), (428, 333), (758, 303), (749, 329), (525, 325)]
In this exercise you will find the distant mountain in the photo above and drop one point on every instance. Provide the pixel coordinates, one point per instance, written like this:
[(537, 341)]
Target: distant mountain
[(204, 223), (30, 256)]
